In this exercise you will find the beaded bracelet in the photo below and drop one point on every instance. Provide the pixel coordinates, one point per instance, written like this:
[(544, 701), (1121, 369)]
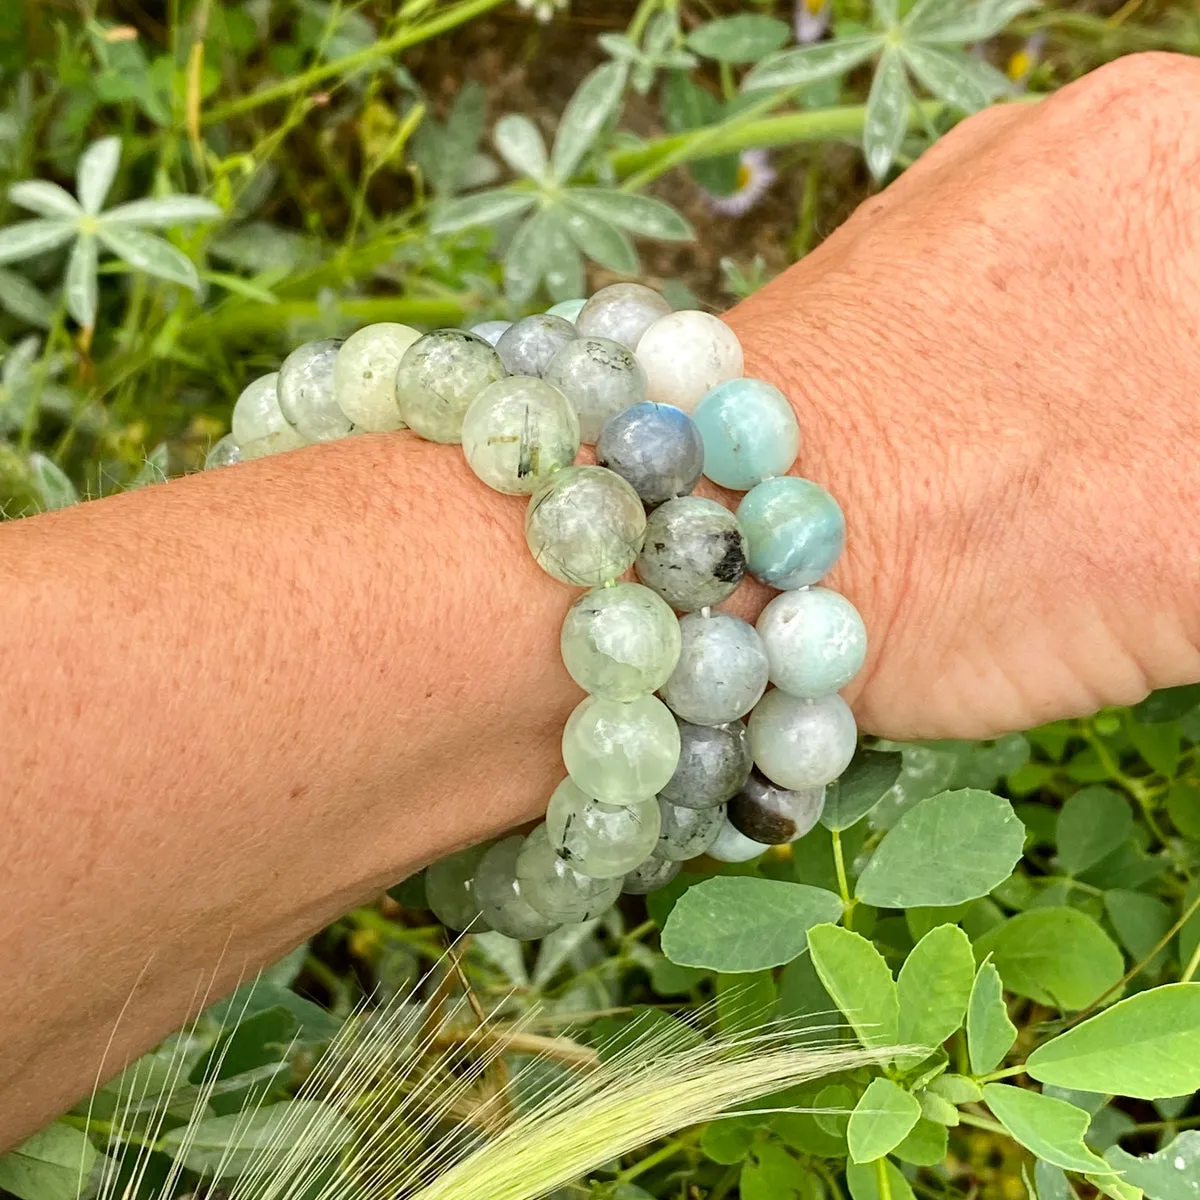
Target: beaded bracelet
[(678, 748)]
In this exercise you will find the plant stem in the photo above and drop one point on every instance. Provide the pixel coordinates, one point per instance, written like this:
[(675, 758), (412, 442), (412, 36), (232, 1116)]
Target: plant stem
[(672, 1148), (982, 1123), (885, 1183), (1006, 1073), (839, 863), (1193, 966), (107, 1129)]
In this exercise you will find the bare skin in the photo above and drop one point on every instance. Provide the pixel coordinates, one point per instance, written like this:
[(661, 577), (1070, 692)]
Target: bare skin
[(240, 703)]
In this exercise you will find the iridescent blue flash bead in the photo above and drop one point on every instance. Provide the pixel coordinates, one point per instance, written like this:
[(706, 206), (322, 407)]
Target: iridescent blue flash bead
[(750, 433), (794, 531), (656, 447)]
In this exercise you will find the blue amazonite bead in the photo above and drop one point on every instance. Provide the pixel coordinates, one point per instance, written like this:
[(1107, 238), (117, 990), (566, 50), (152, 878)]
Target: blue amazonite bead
[(794, 531), (750, 433), (656, 447)]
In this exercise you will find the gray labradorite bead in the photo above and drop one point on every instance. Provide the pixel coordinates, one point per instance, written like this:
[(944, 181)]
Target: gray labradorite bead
[(527, 346), (656, 447), (722, 670), (306, 393), (605, 841), (693, 554), (622, 312), (440, 374), (600, 377), (772, 814), (225, 452), (714, 763), (654, 873), (555, 888), (450, 890), (490, 331), (498, 892), (733, 846), (687, 832), (801, 743)]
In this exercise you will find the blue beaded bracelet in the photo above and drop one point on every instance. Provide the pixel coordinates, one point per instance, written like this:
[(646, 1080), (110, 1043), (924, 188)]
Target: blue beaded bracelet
[(679, 748)]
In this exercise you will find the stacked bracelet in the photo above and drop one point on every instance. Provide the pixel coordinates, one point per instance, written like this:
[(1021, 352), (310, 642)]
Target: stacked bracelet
[(679, 748)]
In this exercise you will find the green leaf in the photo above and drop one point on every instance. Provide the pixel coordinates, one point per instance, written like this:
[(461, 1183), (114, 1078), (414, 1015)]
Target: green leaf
[(1146, 1046), (964, 82), (45, 198), (926, 1145), (520, 144), (563, 267), (527, 257), (938, 1109), (600, 241), (1114, 1188), (808, 64), (159, 212), (745, 1003), (857, 977), (863, 1181), (153, 470), (27, 238), (990, 1033), (1056, 956), (642, 215), (148, 253), (950, 848), (23, 300), (771, 1173), (735, 923), (1183, 800), (484, 208), (1091, 824), (860, 787), (1160, 745), (956, 1089), (79, 284), (1141, 922), (958, 24), (741, 39), (685, 106), (1051, 1182), (595, 100), (1171, 1174), (48, 1166), (95, 173), (1051, 1129), (888, 104), (883, 1117), (887, 12), (933, 987), (316, 1024), (56, 489), (803, 998), (1167, 704), (728, 1140)]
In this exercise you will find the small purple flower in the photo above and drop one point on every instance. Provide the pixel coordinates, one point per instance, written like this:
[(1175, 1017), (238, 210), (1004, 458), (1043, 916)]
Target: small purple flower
[(810, 20), (755, 175)]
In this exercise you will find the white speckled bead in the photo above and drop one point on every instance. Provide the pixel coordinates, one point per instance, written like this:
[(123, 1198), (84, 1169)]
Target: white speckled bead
[(517, 431), (306, 396), (802, 743), (224, 452), (687, 832), (686, 354), (490, 331), (600, 377), (620, 642), (602, 840), (654, 873), (620, 752), (722, 670), (440, 374), (622, 312), (527, 346), (815, 641), (693, 554), (498, 892), (555, 888), (258, 424), (733, 846), (585, 525), (450, 889), (567, 309), (364, 375), (774, 815)]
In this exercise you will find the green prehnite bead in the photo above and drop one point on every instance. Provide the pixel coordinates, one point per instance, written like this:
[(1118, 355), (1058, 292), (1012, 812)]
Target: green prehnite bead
[(517, 431), (490, 331), (225, 452), (306, 396), (258, 424), (654, 873), (498, 892), (585, 525), (620, 642), (600, 377), (620, 752), (567, 309), (450, 890), (602, 840), (364, 375), (439, 375), (555, 888), (687, 832)]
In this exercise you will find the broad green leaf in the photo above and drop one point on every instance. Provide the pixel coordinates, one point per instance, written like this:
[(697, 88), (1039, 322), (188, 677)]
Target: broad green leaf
[(933, 987), (148, 253), (1114, 1187), (808, 64), (860, 787), (95, 173), (79, 284), (746, 1002), (484, 208), (56, 489), (1056, 956), (938, 1109), (600, 241), (945, 850), (1146, 1046), (888, 104), (685, 106), (1141, 922), (1051, 1182), (855, 975), (803, 998), (520, 144), (961, 80), (744, 38), (1051, 1129), (926, 1145), (50, 1165), (1189, 933), (45, 198), (990, 1034), (1183, 802), (1171, 1174), (525, 261), (162, 211), (771, 1173), (735, 923), (728, 1140), (27, 238), (1091, 824), (23, 300), (863, 1181), (1167, 704), (595, 100), (316, 1025), (956, 1089), (887, 12), (563, 265), (642, 215), (1160, 745), (883, 1117), (972, 22)]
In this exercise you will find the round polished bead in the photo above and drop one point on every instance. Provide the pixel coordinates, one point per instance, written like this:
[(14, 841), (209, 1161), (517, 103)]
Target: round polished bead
[(622, 312), (656, 447), (490, 331), (794, 531), (567, 309), (600, 377), (585, 525), (722, 670), (364, 375), (529, 344), (815, 641), (654, 873), (714, 763), (620, 642), (602, 840), (498, 892), (450, 890), (686, 354), (620, 751), (802, 743), (733, 846), (750, 433), (517, 431), (693, 554), (306, 396), (258, 423), (555, 888), (774, 815), (687, 832), (225, 452), (440, 374)]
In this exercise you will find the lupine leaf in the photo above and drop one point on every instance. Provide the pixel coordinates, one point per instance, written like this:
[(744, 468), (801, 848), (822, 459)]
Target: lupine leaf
[(162, 211), (95, 173), (520, 144), (588, 110), (971, 22), (962, 81), (44, 198), (807, 64), (79, 284), (600, 241), (27, 238), (484, 208), (56, 489), (888, 105), (148, 253), (23, 300), (642, 215), (1171, 1174)]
